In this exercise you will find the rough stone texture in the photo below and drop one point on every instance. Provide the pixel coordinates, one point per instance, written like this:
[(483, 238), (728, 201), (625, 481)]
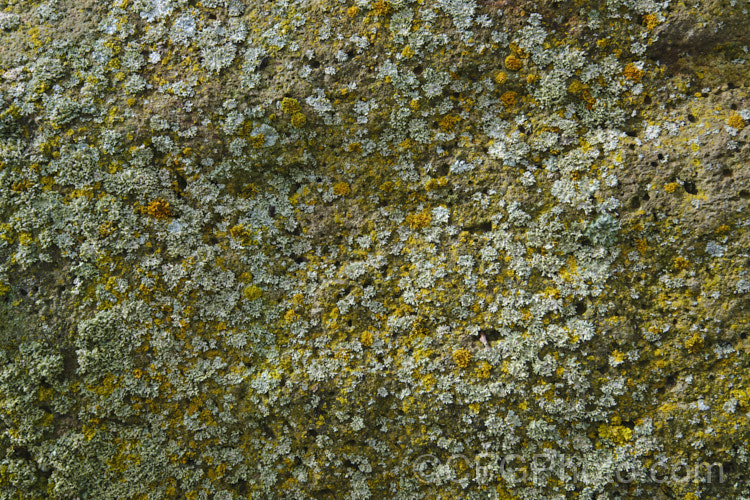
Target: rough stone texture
[(391, 249)]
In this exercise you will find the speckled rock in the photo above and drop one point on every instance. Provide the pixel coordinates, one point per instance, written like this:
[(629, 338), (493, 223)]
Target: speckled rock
[(374, 249)]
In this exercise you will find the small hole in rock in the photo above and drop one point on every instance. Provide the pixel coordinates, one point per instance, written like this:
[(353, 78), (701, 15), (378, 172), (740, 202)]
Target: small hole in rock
[(690, 187), (744, 194), (480, 228), (691, 118), (646, 197), (726, 172)]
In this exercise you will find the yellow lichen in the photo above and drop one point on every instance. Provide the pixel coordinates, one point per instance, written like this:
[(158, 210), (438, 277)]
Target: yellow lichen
[(387, 186), (641, 245), (576, 87), (257, 141), (252, 292), (366, 338), (462, 357), (447, 123), (694, 343), (736, 121), (484, 370), (651, 21), (615, 432), (341, 189), (298, 120), (290, 105), (407, 52), (681, 263), (418, 220)]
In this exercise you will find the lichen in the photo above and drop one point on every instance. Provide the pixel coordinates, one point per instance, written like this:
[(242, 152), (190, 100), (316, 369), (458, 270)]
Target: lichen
[(372, 249)]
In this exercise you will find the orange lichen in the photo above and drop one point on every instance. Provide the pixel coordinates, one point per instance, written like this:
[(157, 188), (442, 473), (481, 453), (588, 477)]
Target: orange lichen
[(632, 72), (509, 99), (513, 63), (158, 209)]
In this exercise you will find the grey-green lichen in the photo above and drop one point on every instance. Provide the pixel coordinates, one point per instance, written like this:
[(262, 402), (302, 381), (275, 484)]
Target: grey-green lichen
[(284, 250)]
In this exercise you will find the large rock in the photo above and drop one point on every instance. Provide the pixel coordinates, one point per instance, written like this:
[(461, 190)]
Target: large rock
[(403, 249)]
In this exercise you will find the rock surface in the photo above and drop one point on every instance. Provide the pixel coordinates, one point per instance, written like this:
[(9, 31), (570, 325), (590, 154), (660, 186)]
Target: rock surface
[(390, 249)]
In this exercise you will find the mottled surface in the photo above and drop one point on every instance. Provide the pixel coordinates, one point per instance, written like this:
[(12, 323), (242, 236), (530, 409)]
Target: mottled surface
[(392, 249)]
